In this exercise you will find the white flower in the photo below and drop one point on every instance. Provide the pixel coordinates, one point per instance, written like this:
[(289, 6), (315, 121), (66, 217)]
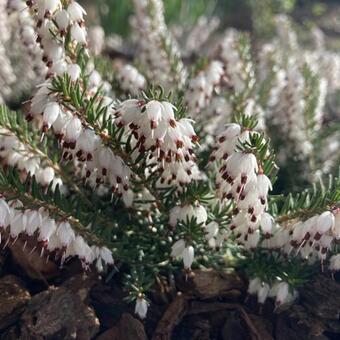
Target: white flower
[(252, 240), (87, 142), (4, 213), (59, 126), (106, 255), (262, 293), (211, 230), (201, 87), (53, 52), (76, 12), (96, 39), (263, 185), (53, 243), (141, 307), (188, 256), (130, 79), (34, 220), (47, 7), (201, 214), (267, 223), (334, 263), (78, 34), (58, 67), (282, 293), (73, 70), (47, 229), (128, 197), (102, 254), (45, 176), (234, 65), (18, 224), (65, 234), (154, 113), (63, 19), (336, 226), (187, 213), (299, 231), (325, 222), (254, 285), (83, 250), (178, 248), (72, 132)]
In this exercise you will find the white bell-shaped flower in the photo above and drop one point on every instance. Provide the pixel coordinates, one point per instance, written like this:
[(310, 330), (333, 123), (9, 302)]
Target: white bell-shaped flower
[(47, 229), (65, 233), (34, 220), (62, 19), (325, 222), (141, 308), (336, 226), (254, 285), (262, 293), (188, 256), (282, 293), (18, 224), (212, 229), (4, 213), (74, 71), (76, 11), (78, 34), (178, 248)]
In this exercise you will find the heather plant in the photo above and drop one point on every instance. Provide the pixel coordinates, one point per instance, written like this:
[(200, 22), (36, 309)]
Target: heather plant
[(163, 161)]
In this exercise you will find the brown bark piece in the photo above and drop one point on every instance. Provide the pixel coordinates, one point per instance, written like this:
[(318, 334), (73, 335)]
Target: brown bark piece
[(128, 328), (211, 284), (321, 297), (34, 266), (58, 314), (172, 317), (13, 299)]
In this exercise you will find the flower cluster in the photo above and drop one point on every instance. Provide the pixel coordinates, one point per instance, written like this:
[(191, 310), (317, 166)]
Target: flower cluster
[(57, 237), (182, 249), (53, 20), (216, 114), (29, 49), (131, 80), (202, 86), (200, 34), (236, 68), (18, 155), (7, 75), (280, 290), (214, 235), (311, 239), (168, 141), (96, 39), (96, 162), (240, 178), (288, 111), (295, 111), (157, 50)]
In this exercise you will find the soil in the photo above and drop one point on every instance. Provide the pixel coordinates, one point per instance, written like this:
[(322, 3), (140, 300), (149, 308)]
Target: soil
[(67, 303)]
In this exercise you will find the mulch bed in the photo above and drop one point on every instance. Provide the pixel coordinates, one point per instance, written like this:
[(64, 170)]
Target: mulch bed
[(69, 304)]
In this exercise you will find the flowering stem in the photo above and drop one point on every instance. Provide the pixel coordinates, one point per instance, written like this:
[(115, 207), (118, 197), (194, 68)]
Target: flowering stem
[(32, 202)]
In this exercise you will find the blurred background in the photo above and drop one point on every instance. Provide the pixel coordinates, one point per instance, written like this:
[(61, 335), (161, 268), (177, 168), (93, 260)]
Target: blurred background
[(249, 15)]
